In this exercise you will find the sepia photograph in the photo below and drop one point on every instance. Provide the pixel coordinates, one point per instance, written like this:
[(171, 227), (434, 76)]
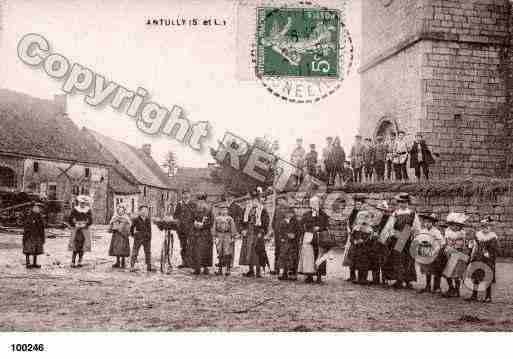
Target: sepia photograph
[(210, 169)]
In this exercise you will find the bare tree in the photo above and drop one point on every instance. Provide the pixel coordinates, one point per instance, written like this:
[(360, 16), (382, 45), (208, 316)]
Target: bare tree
[(170, 162)]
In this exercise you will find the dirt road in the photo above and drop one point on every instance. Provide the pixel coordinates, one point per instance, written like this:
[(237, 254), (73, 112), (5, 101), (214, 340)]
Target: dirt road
[(98, 297)]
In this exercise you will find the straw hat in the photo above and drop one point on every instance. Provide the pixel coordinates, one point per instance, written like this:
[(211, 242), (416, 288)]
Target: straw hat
[(83, 199), (403, 197), (456, 218), (429, 216), (383, 205)]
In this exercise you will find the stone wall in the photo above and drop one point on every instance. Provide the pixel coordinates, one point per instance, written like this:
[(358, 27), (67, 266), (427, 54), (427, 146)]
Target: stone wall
[(441, 67), (158, 200), (495, 200), (69, 180)]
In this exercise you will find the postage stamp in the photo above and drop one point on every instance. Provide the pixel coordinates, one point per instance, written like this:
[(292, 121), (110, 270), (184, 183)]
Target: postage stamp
[(299, 52), (298, 42)]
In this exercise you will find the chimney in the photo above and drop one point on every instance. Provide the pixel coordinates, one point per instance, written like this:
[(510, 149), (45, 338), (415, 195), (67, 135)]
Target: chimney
[(146, 148), (61, 103)]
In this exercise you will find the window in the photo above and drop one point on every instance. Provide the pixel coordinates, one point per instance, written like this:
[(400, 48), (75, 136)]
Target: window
[(75, 190), (144, 191), (36, 167), (162, 197), (84, 190), (133, 205), (52, 191), (7, 177), (87, 172)]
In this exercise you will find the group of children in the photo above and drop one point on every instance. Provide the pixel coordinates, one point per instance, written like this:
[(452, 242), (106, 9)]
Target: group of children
[(401, 239)]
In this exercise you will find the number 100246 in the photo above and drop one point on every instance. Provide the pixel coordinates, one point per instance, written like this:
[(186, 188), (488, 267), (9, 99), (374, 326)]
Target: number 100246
[(27, 347)]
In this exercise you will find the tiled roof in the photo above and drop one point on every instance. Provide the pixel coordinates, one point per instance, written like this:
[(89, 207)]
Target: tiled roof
[(197, 179), (130, 158), (34, 127), (120, 185)]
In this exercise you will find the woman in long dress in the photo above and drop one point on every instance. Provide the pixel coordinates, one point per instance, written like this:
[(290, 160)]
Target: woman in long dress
[(33, 236), (313, 223), (201, 236), (80, 219), (402, 224), (120, 243), (455, 245), (484, 251), (255, 226)]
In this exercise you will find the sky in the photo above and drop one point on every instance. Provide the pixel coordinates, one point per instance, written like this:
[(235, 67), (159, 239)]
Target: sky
[(194, 68)]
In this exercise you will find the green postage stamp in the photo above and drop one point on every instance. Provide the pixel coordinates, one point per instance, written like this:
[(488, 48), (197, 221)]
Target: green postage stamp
[(298, 42)]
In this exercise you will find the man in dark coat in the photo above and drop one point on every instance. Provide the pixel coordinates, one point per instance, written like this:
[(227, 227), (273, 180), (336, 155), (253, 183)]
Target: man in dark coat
[(279, 214), (420, 157), (184, 213), (288, 233), (359, 200), (235, 211), (33, 236), (380, 154), (141, 231)]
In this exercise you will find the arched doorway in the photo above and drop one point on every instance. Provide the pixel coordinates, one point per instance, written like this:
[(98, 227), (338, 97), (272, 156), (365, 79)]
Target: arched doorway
[(385, 127), (7, 177)]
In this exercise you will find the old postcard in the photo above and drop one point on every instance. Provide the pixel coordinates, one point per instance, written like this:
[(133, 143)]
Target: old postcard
[(255, 166)]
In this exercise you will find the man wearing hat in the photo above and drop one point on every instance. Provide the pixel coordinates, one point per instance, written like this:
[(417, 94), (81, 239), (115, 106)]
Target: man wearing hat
[(359, 200), (420, 157), (368, 160), (33, 235), (404, 222), (380, 154), (401, 151), (356, 155), (288, 233), (327, 158), (311, 161), (141, 232), (201, 241), (433, 270), (298, 160), (80, 220), (390, 156), (255, 226), (183, 212)]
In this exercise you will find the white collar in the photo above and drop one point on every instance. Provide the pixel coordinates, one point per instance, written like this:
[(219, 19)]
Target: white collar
[(82, 210)]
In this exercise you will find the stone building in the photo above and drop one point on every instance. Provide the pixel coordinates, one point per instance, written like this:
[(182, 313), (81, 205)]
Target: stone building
[(42, 151), (442, 68), (198, 180), (137, 168)]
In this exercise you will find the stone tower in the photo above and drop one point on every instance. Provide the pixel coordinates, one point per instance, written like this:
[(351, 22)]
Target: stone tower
[(440, 67)]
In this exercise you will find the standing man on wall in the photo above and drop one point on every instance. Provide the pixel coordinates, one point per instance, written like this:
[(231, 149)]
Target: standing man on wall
[(357, 158), (380, 154), (401, 151)]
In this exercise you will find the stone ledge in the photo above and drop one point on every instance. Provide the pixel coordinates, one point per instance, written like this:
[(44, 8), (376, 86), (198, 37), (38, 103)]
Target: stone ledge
[(432, 36)]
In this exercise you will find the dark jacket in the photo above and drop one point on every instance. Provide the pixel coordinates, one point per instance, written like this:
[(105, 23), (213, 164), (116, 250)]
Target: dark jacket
[(426, 154), (77, 216), (284, 228), (184, 212), (141, 228), (339, 156), (236, 212)]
